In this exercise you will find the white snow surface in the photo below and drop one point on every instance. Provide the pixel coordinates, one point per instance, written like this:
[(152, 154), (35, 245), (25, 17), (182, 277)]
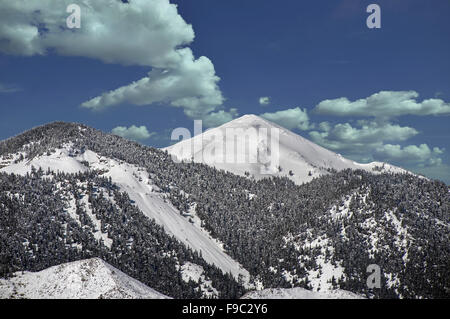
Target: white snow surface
[(304, 158), (84, 279), (196, 273), (137, 183), (322, 277), (299, 293), (57, 161)]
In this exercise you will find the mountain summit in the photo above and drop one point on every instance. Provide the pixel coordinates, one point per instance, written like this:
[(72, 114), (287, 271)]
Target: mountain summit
[(296, 157)]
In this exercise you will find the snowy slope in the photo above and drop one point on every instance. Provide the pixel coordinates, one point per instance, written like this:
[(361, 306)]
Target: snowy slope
[(62, 160), (194, 272), (137, 183), (83, 279), (299, 293), (304, 158)]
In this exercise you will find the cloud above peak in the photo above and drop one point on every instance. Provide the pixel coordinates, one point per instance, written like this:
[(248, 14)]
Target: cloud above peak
[(141, 32), (376, 137), (295, 118), (361, 138), (137, 33), (135, 133), (422, 155), (367, 141), (384, 104), (191, 86), (218, 118)]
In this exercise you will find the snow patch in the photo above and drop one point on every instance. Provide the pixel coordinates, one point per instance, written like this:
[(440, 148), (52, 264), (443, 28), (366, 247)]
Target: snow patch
[(190, 271)]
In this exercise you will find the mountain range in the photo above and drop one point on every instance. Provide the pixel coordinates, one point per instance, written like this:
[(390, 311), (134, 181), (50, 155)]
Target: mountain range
[(186, 229), (95, 279)]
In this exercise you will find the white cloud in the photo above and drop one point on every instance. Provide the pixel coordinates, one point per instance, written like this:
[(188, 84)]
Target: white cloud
[(411, 154), (372, 140), (142, 32), (136, 133), (438, 151), (290, 118), (218, 118), (4, 88), (264, 100), (367, 142), (191, 86), (385, 104), (325, 126), (138, 33), (369, 132)]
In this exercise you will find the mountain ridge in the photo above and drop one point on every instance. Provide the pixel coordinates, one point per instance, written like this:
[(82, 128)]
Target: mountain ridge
[(86, 279), (320, 235), (299, 159), (133, 180)]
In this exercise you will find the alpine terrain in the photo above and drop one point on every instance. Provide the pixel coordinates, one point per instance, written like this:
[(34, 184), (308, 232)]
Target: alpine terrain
[(299, 159), (88, 279), (96, 215)]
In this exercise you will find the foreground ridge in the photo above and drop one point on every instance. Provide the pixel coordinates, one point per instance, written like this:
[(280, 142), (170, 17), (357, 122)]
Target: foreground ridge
[(84, 279)]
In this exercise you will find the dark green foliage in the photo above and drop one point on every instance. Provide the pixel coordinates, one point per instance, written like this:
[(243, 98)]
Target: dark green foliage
[(273, 229), (36, 232)]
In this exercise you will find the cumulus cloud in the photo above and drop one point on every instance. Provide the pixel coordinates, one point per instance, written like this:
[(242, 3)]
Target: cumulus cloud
[(137, 33), (135, 133), (325, 126), (142, 32), (367, 141), (360, 139), (290, 118), (367, 132), (218, 118), (422, 155), (264, 100), (191, 86), (385, 104)]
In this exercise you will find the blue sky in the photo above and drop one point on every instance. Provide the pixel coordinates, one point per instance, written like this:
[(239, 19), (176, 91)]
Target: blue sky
[(369, 94)]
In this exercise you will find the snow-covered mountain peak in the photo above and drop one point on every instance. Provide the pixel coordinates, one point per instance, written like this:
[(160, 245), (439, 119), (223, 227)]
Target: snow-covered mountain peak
[(87, 279), (253, 146), (248, 120)]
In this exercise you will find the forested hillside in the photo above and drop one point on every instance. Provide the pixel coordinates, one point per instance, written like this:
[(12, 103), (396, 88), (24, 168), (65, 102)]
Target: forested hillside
[(320, 235), (51, 218)]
